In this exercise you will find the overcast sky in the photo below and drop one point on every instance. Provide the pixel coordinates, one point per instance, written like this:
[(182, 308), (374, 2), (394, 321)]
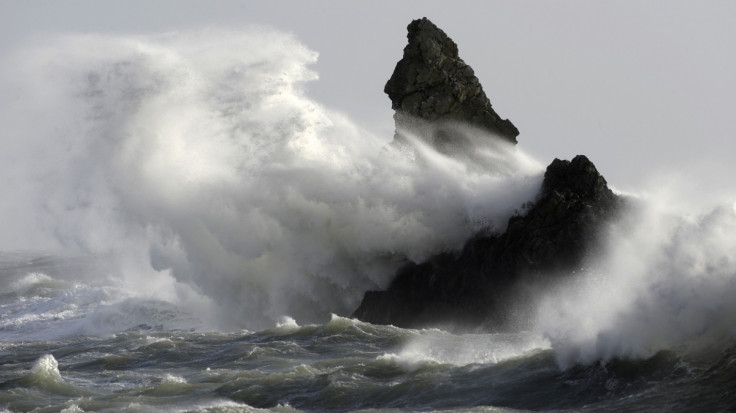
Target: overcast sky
[(644, 88)]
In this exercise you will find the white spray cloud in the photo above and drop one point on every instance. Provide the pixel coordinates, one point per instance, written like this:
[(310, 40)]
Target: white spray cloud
[(197, 156), (667, 279)]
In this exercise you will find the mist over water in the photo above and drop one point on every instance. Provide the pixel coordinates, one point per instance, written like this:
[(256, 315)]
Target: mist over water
[(194, 164), (191, 168)]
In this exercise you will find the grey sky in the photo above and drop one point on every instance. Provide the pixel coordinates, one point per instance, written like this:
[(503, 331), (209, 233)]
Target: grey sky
[(643, 88)]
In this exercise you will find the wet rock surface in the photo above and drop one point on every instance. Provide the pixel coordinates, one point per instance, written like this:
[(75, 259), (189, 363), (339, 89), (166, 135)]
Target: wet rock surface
[(549, 239), (432, 83), (473, 287)]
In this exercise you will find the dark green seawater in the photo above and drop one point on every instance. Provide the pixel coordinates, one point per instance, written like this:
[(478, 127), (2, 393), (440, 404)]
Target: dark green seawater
[(48, 364), (346, 365), (73, 346)]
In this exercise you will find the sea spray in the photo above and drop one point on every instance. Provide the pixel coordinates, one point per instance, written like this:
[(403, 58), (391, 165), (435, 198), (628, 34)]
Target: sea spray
[(197, 166), (667, 279)]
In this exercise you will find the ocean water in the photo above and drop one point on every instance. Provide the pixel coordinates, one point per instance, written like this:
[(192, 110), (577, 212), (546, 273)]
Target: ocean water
[(146, 363), (184, 229)]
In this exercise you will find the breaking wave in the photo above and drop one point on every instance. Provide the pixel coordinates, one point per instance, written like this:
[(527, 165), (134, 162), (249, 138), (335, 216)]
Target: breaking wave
[(195, 164)]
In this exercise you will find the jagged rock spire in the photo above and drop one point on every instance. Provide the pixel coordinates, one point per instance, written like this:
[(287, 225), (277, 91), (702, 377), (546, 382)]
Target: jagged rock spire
[(431, 82)]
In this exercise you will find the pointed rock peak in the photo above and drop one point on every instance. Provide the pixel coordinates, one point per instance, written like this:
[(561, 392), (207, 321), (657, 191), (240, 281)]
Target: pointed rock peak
[(578, 176), (432, 83), (429, 41)]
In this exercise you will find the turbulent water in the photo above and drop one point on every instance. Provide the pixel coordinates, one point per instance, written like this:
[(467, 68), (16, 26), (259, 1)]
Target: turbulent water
[(180, 221), (343, 365)]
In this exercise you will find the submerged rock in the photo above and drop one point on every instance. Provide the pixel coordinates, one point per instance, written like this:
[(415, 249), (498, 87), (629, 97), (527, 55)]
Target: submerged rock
[(475, 285), (432, 83)]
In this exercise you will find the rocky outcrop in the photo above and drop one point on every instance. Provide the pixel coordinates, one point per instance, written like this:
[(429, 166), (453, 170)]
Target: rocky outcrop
[(473, 286), (432, 83), (550, 239)]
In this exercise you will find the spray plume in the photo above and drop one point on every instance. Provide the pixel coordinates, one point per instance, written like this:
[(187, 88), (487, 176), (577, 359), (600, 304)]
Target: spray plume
[(196, 163)]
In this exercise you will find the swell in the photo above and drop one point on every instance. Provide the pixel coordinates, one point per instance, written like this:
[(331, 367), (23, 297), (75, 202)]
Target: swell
[(345, 365)]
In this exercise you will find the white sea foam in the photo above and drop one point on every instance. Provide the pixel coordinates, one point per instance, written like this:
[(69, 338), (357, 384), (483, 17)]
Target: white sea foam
[(195, 162), (445, 348), (171, 378), (286, 322), (46, 367)]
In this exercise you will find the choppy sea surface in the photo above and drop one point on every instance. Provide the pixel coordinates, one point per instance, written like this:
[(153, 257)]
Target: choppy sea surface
[(142, 358)]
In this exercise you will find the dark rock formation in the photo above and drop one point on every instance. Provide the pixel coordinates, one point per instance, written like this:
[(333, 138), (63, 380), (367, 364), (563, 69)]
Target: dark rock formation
[(432, 83), (473, 286), (479, 284)]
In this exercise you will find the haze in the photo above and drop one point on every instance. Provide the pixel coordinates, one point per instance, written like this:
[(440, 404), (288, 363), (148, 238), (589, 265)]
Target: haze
[(644, 89)]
